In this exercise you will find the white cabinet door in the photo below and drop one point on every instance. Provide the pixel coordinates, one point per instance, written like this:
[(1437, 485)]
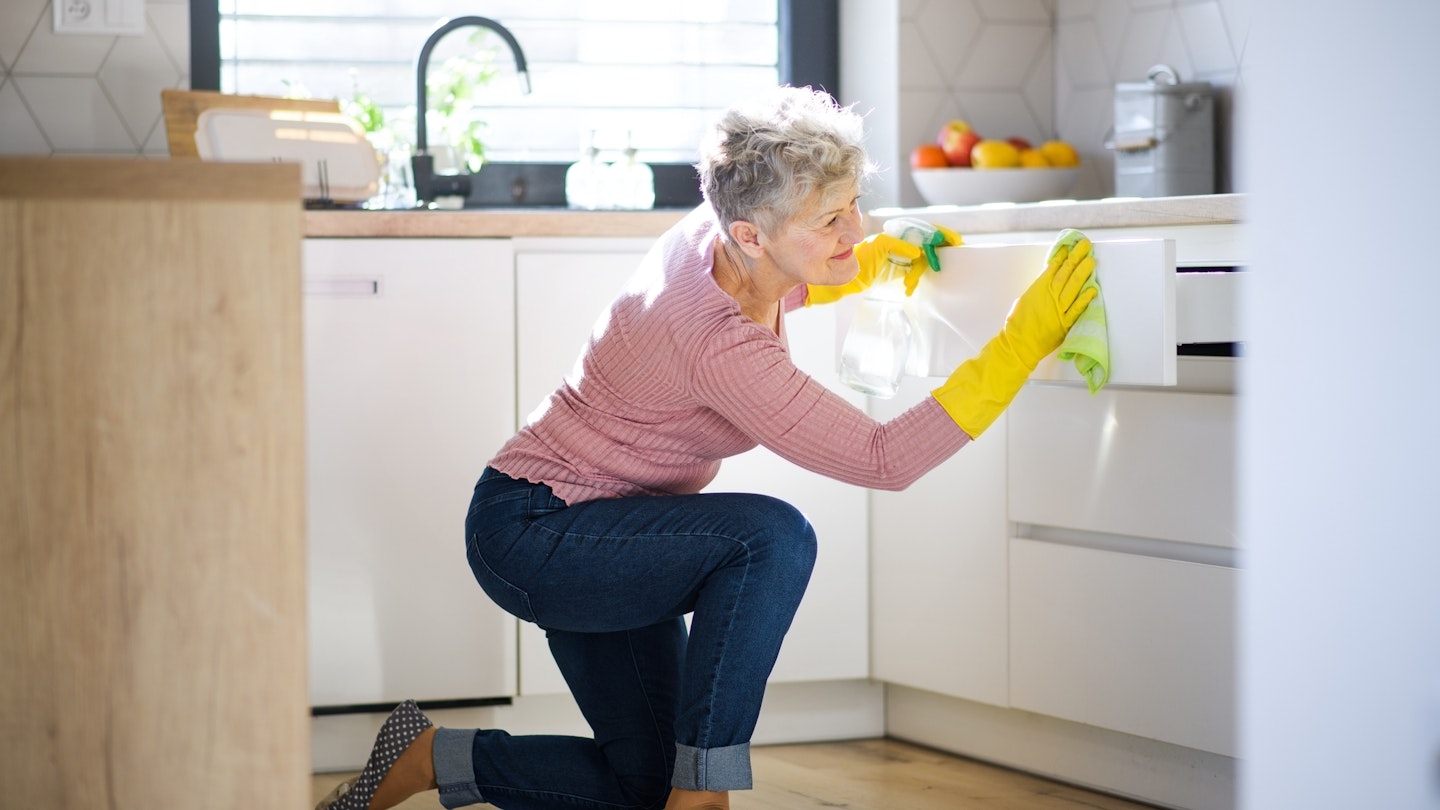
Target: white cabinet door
[(830, 636), (559, 297), (1136, 644), (939, 560), (409, 364)]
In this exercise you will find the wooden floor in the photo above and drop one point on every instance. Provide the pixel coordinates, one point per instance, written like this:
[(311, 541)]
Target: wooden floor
[(873, 775)]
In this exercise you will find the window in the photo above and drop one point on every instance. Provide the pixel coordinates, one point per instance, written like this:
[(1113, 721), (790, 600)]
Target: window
[(658, 70)]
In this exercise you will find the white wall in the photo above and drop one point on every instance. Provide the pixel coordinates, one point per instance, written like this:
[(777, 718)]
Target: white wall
[(1340, 443), (88, 94)]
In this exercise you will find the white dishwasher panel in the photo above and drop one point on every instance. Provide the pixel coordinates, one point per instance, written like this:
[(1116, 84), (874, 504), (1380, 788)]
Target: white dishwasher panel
[(409, 373)]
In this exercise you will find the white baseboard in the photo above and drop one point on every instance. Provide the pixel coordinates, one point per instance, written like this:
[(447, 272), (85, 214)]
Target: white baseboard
[(1107, 761), (793, 712)]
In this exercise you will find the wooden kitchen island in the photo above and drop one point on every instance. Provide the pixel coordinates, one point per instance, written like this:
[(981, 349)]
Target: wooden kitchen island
[(152, 488)]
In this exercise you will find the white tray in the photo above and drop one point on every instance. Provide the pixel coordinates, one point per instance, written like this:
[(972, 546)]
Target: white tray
[(337, 163)]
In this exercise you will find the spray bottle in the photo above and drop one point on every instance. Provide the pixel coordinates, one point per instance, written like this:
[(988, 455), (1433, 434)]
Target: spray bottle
[(877, 346)]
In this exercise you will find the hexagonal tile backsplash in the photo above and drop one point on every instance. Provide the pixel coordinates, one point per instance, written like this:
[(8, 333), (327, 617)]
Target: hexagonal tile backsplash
[(65, 94), (1035, 68)]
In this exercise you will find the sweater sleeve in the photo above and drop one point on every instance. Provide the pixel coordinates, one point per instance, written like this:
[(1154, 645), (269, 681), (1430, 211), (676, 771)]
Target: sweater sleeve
[(744, 374)]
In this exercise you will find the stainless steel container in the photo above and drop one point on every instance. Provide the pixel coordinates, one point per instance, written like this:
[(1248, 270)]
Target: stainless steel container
[(1164, 136)]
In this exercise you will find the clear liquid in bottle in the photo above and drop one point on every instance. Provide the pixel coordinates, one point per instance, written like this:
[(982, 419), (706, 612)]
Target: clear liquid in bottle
[(877, 346)]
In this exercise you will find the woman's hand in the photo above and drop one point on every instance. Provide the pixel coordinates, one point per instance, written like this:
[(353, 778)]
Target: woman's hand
[(906, 244), (1044, 313), (927, 236), (982, 387)]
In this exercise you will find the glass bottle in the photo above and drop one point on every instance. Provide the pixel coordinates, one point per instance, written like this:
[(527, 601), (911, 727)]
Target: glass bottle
[(639, 179), (582, 179)]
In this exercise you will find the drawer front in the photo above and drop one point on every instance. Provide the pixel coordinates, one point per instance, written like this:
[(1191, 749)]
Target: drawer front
[(1151, 464), (959, 309), (1135, 644)]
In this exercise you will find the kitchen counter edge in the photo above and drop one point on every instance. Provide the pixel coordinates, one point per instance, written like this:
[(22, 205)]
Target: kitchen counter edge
[(517, 222), (1207, 209), (496, 223)]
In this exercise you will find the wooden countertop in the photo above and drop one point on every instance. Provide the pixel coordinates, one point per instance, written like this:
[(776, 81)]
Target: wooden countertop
[(496, 223), (550, 222)]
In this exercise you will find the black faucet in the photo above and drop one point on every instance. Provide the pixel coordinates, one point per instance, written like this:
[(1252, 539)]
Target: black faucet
[(427, 185)]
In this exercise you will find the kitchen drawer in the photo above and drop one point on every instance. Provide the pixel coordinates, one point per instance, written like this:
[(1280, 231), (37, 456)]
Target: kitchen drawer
[(1151, 464), (1141, 645), (961, 308), (1151, 308)]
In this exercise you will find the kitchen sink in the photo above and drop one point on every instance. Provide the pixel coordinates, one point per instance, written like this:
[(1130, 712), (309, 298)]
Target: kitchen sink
[(542, 185)]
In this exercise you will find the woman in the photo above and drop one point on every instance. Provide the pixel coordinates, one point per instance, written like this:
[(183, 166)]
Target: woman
[(589, 521)]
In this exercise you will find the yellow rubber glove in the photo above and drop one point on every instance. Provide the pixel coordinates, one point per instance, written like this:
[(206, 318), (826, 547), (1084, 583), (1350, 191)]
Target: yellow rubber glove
[(882, 254), (983, 386)]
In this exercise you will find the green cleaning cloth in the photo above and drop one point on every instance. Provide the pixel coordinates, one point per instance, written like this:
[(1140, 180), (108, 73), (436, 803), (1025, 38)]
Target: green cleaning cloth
[(1088, 341)]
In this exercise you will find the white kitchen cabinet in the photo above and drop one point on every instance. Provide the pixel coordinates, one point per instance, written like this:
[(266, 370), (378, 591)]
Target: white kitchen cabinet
[(410, 368), (939, 569), (1133, 463), (1095, 583), (562, 286), (829, 639), (1122, 602), (1129, 642)]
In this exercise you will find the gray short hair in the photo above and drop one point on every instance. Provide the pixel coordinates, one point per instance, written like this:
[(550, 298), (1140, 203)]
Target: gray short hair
[(764, 158)]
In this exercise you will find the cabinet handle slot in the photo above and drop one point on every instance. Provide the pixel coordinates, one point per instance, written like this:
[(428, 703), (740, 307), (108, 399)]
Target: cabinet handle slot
[(341, 287)]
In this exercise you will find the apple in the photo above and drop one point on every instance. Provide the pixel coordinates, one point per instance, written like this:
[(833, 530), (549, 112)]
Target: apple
[(1019, 142), (957, 139)]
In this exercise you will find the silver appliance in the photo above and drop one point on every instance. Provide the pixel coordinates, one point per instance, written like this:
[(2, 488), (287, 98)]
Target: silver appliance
[(1164, 136)]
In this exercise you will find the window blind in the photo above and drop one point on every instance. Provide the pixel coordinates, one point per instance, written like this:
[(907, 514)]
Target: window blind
[(655, 71)]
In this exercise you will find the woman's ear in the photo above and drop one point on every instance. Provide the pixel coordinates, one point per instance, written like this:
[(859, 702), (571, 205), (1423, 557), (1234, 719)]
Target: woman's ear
[(747, 237)]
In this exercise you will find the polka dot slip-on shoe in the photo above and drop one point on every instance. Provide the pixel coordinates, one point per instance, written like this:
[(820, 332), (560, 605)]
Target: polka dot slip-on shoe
[(400, 730)]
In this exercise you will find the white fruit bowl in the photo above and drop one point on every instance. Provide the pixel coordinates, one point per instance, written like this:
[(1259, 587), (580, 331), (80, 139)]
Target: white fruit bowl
[(959, 186)]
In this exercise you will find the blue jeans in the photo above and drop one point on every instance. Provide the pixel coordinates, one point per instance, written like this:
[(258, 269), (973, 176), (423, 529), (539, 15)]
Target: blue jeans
[(610, 582)]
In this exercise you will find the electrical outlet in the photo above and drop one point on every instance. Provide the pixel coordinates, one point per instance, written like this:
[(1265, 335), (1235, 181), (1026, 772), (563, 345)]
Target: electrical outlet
[(74, 12), (99, 16)]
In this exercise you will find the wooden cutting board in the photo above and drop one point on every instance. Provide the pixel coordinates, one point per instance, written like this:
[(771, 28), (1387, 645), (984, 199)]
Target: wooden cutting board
[(183, 107)]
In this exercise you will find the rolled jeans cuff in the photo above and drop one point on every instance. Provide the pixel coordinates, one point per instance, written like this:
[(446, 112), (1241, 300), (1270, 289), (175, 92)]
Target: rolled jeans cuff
[(455, 767), (726, 768)]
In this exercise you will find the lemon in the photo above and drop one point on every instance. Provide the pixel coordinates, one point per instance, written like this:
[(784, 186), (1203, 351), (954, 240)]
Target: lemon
[(1060, 153), (1033, 159), (990, 154)]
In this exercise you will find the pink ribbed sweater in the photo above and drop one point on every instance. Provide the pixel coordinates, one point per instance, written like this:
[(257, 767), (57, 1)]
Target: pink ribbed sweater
[(674, 378)]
